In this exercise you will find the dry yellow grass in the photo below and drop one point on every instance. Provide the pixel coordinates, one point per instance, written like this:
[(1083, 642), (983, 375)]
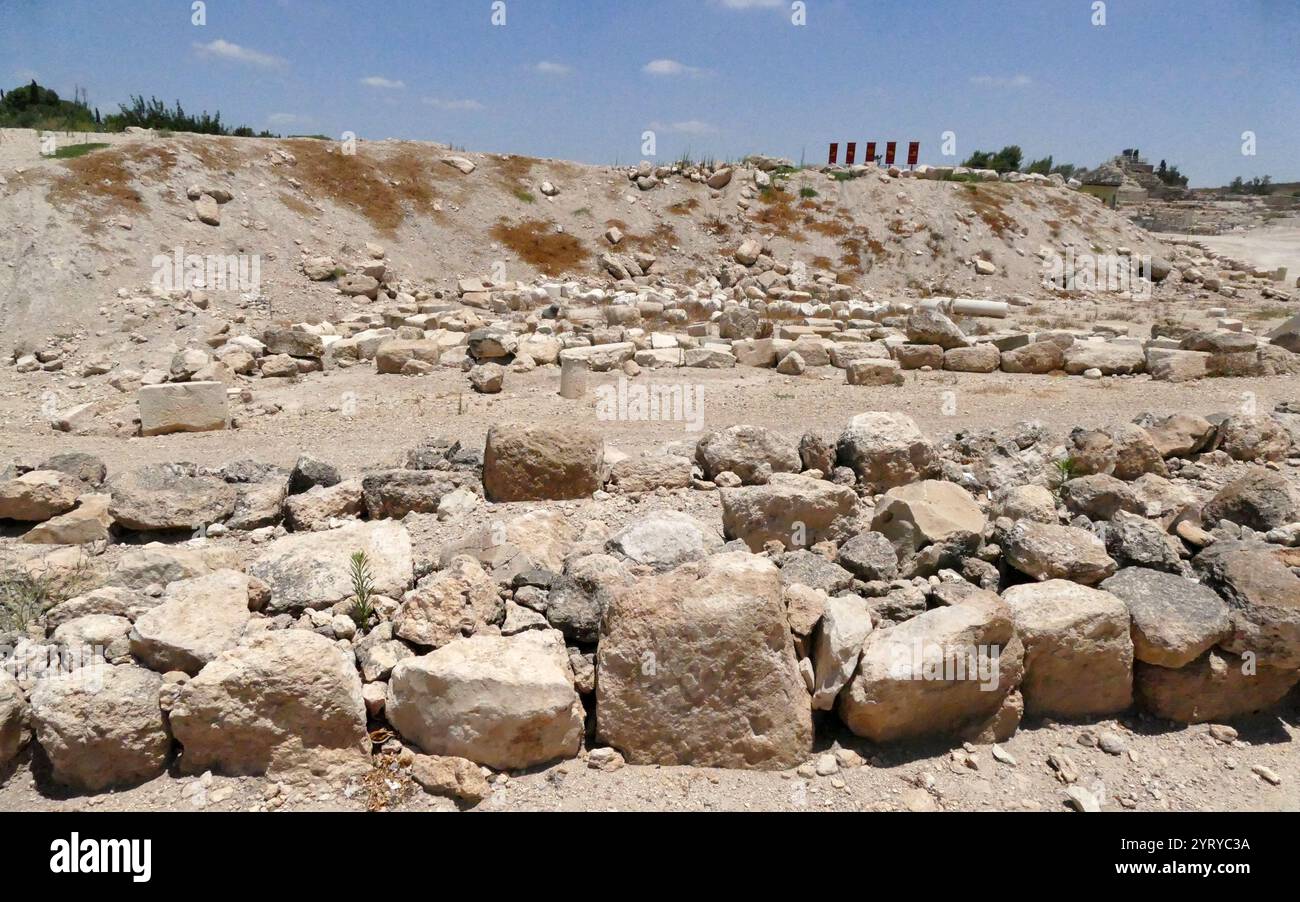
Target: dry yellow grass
[(539, 245)]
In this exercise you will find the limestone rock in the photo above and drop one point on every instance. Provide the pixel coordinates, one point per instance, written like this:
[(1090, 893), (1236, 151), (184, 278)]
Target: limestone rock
[(504, 702), (661, 696)]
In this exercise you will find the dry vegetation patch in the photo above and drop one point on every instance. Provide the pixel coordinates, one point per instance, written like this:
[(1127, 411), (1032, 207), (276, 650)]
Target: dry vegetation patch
[(384, 191), (538, 244)]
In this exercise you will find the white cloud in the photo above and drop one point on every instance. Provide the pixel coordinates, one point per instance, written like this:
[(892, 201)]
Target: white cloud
[(452, 105), (378, 81), (546, 67), (1001, 81), (686, 127), (752, 4), (224, 50), (670, 68)]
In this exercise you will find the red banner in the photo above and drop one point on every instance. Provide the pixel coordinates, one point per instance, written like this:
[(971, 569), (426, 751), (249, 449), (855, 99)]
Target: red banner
[(871, 152), (913, 153), (835, 154), (850, 153), (891, 150)]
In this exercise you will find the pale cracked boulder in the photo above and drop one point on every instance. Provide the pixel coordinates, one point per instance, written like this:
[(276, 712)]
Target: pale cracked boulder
[(1263, 596), (662, 696), (1078, 650), (457, 601), (873, 372), (13, 719), (665, 539), (1110, 358), (797, 511), (942, 673), (197, 620), (926, 513), (1046, 551), (539, 463), (638, 475), (183, 407), (751, 452), (930, 327), (1181, 435), (282, 702), (503, 702), (1217, 686), (845, 625), (392, 356), (1026, 502), (980, 358), (39, 496), (1039, 357), (311, 570), (165, 497), (1254, 438), (1262, 500), (90, 521), (886, 450), (1175, 620), (100, 726)]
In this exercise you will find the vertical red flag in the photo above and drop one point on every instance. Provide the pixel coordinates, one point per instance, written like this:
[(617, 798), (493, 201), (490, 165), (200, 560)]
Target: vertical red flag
[(891, 150), (871, 152), (913, 153), (835, 154), (850, 153)]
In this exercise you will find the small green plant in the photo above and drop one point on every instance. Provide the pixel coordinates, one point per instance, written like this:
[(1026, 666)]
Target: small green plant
[(1066, 469), (526, 196), (808, 192), (363, 588), (25, 596)]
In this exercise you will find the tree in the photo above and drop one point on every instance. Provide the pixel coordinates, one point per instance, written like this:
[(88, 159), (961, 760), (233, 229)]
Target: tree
[(1041, 167)]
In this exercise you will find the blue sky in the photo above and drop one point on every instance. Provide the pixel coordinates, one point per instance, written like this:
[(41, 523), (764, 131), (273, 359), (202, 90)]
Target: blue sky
[(582, 79)]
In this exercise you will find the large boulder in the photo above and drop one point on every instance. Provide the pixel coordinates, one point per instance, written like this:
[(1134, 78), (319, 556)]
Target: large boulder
[(1175, 620), (665, 539), (1263, 598), (930, 327), (926, 513), (166, 497), (1078, 651), (664, 695), (13, 719), (100, 726), (90, 521), (458, 601), (198, 619), (183, 407), (282, 702), (1047, 551), (1109, 357), (637, 475), (1254, 438), (1136, 454), (1099, 496), (886, 450), (938, 674), (1217, 686), (1036, 357), (539, 463), (751, 452), (503, 702), (312, 570), (39, 495), (869, 556), (1181, 434), (1262, 500), (797, 511), (837, 645)]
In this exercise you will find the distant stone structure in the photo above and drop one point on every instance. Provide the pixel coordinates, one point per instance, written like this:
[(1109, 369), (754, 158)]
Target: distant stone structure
[(1126, 180)]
